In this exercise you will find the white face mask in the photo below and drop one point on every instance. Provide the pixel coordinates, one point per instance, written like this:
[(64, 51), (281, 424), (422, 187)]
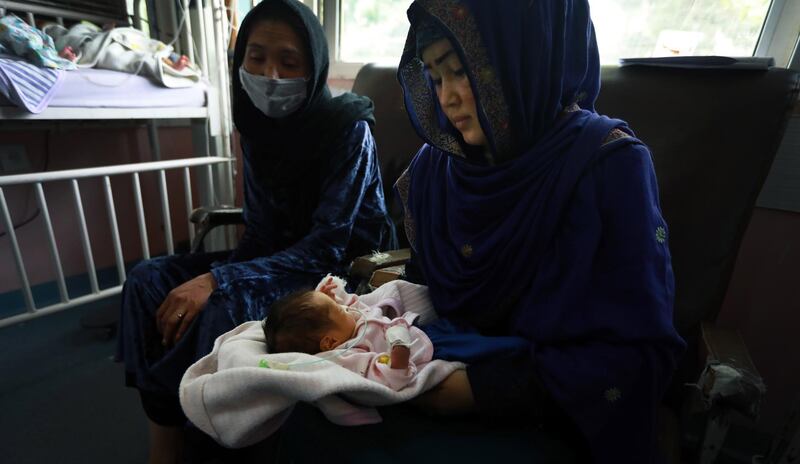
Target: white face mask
[(276, 98)]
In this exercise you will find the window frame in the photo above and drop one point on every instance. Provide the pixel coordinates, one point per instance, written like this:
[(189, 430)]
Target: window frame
[(775, 31), (331, 23), (780, 27)]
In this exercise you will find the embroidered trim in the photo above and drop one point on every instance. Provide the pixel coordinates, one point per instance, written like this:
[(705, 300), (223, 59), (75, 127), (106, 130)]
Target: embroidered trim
[(615, 134), (661, 234), (422, 102), (402, 185), (460, 24)]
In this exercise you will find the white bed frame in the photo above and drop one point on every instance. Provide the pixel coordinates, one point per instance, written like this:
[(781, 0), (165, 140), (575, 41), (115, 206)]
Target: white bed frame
[(203, 38)]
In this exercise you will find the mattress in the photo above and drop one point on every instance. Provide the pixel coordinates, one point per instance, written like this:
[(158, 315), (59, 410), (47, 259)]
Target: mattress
[(101, 88)]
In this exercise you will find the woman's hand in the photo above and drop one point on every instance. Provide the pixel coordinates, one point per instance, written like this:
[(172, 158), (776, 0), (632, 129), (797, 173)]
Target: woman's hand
[(451, 397), (181, 306)]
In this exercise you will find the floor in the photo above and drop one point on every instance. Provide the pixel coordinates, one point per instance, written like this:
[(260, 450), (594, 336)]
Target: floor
[(62, 398)]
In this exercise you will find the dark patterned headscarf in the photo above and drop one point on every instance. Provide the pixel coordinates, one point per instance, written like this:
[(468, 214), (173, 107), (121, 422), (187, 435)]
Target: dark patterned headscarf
[(528, 61), (427, 32)]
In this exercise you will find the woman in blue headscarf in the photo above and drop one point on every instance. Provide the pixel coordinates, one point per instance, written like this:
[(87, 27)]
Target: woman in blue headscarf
[(532, 216), (312, 202), (536, 224)]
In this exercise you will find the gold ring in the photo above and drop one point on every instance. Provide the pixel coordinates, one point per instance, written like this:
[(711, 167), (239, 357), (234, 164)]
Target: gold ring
[(180, 315)]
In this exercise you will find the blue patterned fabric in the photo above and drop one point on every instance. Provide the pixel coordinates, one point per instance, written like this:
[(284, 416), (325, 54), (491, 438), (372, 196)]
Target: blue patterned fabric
[(349, 218), (295, 232), (557, 235), (19, 38), (27, 85)]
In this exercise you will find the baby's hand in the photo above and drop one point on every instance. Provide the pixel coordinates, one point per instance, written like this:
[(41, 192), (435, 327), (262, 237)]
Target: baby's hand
[(400, 357), (328, 287)]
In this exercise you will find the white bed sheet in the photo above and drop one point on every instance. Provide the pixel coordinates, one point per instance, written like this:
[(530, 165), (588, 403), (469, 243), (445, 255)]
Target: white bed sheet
[(101, 88)]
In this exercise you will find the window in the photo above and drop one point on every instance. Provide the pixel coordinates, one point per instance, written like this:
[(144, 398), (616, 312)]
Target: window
[(372, 30), (375, 30), (363, 31), (647, 28)]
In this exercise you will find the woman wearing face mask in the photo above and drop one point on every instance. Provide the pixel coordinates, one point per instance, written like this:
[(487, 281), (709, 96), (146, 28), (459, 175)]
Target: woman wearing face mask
[(312, 202), (535, 223)]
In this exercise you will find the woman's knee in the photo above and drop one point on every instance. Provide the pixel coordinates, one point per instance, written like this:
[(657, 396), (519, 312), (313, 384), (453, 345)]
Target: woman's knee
[(143, 273), (146, 281), (143, 269), (249, 298)]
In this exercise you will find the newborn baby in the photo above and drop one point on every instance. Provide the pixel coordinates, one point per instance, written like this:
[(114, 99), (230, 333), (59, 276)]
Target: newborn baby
[(358, 337)]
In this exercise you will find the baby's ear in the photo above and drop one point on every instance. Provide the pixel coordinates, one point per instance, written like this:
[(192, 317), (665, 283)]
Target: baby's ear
[(327, 343)]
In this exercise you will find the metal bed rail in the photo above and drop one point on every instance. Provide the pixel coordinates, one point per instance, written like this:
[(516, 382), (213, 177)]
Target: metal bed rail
[(198, 28), (105, 173)]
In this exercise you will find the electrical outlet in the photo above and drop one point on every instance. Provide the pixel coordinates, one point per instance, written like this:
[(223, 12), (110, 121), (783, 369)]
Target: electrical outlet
[(13, 159)]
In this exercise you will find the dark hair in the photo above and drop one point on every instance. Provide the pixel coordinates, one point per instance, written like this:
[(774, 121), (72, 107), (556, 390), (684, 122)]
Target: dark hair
[(295, 324)]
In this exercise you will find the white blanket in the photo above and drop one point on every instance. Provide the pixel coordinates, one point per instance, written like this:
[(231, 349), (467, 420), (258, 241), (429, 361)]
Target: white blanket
[(228, 396), (123, 49)]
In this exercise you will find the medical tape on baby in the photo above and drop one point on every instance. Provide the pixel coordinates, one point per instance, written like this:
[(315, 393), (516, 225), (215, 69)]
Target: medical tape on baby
[(398, 335)]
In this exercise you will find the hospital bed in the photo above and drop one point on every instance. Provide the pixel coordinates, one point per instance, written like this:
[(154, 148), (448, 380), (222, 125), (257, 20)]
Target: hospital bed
[(98, 97)]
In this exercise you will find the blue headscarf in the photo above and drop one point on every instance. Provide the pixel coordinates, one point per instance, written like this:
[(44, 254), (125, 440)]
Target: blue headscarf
[(536, 59), (489, 230)]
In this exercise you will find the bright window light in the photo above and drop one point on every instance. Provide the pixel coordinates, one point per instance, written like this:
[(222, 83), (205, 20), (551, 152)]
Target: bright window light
[(652, 28), (373, 31)]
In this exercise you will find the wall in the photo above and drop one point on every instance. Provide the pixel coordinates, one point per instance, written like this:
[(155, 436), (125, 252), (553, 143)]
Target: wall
[(340, 85), (782, 188), (763, 303), (763, 299)]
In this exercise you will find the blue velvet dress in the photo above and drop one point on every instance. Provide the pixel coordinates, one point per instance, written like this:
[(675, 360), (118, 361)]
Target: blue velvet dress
[(277, 255)]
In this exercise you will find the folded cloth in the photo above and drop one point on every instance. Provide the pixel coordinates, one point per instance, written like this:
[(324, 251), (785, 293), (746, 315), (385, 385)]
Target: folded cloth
[(26, 85), (124, 49), (229, 397), (19, 38)]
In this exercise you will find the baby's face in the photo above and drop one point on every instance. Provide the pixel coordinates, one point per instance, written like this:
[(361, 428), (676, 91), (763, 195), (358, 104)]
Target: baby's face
[(343, 322)]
